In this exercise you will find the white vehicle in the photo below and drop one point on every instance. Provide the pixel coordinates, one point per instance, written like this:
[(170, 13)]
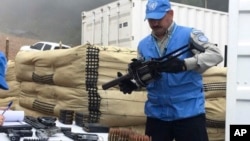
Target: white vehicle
[(43, 46)]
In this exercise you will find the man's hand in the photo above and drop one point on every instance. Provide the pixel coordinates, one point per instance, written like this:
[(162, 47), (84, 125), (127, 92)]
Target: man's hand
[(126, 86), (174, 66)]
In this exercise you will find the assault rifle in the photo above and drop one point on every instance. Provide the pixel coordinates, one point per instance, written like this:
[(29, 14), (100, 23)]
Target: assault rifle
[(144, 72)]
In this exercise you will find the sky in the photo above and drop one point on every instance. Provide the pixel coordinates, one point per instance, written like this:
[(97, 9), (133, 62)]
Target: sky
[(52, 20)]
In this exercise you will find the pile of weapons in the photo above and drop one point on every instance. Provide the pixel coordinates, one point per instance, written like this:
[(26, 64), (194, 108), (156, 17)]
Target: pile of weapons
[(45, 127)]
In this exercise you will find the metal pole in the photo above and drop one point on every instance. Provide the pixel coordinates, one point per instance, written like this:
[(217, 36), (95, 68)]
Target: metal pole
[(7, 48), (205, 5)]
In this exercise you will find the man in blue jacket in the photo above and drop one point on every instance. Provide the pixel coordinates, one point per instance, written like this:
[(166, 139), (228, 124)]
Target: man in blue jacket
[(175, 107)]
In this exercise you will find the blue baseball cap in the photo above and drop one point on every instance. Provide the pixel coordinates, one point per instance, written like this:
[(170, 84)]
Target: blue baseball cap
[(3, 70), (156, 9)]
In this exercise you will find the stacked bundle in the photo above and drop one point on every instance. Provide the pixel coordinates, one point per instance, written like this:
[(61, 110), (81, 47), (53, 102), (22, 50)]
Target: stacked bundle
[(72, 79), (215, 92), (52, 80), (14, 87), (105, 107)]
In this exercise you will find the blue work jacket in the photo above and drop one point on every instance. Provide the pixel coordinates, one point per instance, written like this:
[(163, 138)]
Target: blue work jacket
[(174, 95)]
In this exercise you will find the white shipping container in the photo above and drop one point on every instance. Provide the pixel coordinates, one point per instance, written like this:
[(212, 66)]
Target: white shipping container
[(122, 23), (238, 76)]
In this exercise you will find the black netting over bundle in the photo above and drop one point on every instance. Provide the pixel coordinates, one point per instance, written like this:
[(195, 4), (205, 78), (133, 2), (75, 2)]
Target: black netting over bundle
[(214, 86), (43, 107), (92, 65), (47, 79), (215, 124)]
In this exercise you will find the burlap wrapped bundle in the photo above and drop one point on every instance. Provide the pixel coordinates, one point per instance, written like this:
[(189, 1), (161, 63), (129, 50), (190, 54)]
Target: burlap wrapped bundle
[(30, 112), (76, 83), (14, 90), (118, 110), (50, 99), (215, 117), (112, 107), (216, 109), (14, 87), (52, 80), (63, 67), (215, 82), (215, 91), (216, 134), (11, 75), (113, 59)]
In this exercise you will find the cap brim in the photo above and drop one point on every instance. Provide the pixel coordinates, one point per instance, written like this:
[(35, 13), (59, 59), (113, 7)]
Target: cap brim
[(156, 15), (3, 83)]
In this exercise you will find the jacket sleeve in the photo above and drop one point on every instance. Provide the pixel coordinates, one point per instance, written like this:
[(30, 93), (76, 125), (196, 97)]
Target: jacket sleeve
[(201, 61)]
